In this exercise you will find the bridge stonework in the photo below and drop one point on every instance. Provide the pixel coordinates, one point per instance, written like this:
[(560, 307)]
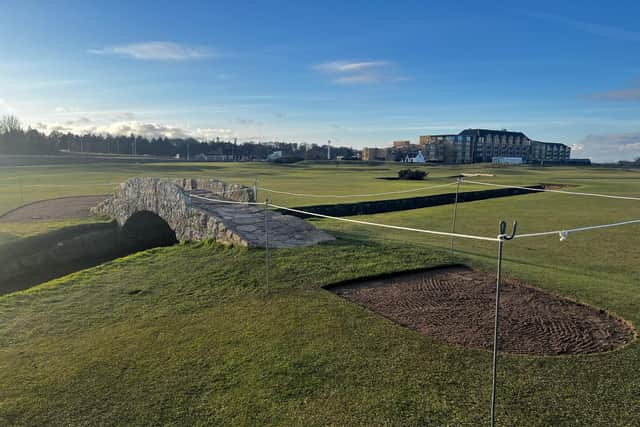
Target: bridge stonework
[(193, 218)]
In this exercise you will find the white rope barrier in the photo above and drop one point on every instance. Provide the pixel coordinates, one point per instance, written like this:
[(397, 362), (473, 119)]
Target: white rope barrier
[(546, 190), (564, 234), (356, 195), (374, 224), (394, 227)]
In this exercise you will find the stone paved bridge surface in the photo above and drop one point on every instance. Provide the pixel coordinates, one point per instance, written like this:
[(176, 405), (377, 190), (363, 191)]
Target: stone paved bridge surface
[(179, 204)]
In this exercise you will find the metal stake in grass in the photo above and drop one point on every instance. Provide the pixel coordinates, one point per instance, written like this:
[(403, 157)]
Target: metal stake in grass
[(502, 237), (21, 190), (266, 239), (455, 210), (255, 189)]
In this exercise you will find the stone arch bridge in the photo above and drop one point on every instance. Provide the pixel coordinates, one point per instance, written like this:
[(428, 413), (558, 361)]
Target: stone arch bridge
[(193, 218)]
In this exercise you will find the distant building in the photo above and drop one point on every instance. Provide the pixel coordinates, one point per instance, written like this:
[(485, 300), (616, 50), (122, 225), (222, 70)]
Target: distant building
[(472, 146), (375, 154), (402, 145), (201, 157), (418, 158), (274, 156), (220, 157), (482, 145), (508, 160)]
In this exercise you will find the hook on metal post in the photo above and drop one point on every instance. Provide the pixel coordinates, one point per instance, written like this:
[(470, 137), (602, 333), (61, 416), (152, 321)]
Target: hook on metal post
[(503, 230)]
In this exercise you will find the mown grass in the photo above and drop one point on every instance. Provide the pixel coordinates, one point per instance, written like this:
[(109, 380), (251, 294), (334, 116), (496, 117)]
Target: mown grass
[(192, 335), (20, 185), (12, 231)]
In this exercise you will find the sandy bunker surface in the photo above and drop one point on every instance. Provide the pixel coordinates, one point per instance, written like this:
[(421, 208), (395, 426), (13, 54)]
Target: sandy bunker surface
[(456, 305), (62, 208)]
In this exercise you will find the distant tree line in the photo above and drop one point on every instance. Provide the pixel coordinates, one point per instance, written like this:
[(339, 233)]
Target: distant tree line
[(14, 139)]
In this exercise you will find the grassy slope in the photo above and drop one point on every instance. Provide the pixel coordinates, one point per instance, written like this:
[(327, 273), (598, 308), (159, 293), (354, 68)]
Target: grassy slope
[(11, 231), (202, 340), (205, 342)]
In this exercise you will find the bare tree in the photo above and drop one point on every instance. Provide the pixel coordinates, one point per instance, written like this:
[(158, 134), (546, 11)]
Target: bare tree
[(10, 124)]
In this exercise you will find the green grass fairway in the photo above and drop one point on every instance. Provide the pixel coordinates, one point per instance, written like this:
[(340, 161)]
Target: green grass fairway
[(192, 335), (19, 185)]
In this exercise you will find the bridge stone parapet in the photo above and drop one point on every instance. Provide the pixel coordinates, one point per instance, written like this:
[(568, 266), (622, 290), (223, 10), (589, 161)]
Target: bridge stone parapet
[(194, 218), (236, 192)]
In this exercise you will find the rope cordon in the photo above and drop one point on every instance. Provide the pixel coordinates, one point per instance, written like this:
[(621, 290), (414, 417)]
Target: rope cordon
[(356, 195), (563, 234), (547, 190), (374, 224)]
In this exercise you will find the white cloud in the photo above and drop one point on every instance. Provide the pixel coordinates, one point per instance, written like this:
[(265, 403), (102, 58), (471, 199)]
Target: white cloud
[(80, 121), (588, 27), (635, 146), (212, 133), (358, 78), (611, 146), (83, 125), (5, 108), (576, 148), (157, 50), (359, 72), (627, 94), (345, 66)]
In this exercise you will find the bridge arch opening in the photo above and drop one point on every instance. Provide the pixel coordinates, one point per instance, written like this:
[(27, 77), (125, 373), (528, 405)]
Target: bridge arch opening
[(145, 230)]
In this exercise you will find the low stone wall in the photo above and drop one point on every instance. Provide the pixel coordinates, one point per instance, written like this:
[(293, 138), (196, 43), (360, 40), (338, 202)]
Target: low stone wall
[(383, 206), (236, 192)]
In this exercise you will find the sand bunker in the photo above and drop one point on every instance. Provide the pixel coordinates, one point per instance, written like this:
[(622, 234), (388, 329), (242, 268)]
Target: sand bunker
[(456, 305)]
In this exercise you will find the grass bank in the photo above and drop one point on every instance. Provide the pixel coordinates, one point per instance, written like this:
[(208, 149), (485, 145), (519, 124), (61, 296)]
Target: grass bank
[(191, 334)]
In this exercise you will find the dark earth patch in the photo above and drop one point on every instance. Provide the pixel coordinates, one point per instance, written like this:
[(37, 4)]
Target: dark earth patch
[(456, 305)]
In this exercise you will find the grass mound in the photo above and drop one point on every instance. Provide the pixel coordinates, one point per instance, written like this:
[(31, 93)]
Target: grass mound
[(190, 335)]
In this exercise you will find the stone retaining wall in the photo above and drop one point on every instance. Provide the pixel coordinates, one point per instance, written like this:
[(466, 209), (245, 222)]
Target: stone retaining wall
[(382, 206)]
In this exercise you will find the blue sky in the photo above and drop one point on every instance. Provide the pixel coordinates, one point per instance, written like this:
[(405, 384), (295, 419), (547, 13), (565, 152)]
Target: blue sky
[(360, 73)]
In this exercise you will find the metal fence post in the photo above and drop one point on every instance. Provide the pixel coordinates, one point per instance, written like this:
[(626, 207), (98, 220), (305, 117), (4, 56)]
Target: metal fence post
[(21, 191), (266, 239), (502, 237), (255, 189), (455, 210)]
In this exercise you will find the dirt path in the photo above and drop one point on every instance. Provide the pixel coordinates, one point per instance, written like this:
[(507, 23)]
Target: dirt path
[(457, 305), (62, 208)]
